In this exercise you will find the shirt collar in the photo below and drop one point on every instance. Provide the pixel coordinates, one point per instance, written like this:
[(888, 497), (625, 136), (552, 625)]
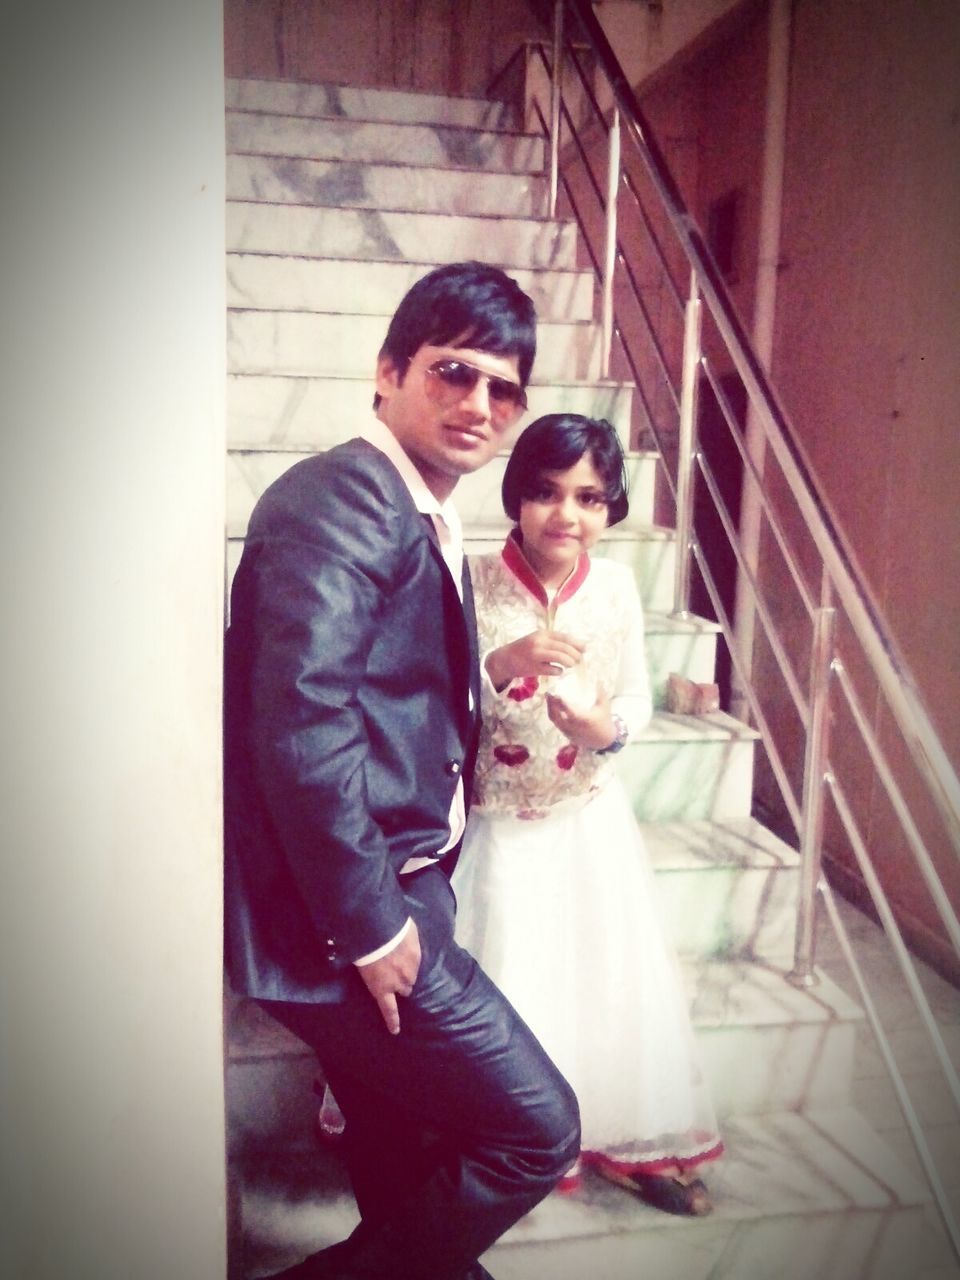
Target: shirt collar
[(381, 437), (520, 567)]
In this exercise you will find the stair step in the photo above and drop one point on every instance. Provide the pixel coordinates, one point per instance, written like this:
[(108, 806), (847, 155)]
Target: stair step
[(478, 494), (368, 185), (650, 552), (685, 768), (685, 645), (654, 581), (292, 98), (311, 343), (409, 237), (796, 1197), (766, 1045), (726, 888), (438, 146), (283, 283), (316, 413)]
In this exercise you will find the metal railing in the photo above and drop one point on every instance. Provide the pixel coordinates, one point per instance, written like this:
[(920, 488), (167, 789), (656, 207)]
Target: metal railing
[(846, 631)]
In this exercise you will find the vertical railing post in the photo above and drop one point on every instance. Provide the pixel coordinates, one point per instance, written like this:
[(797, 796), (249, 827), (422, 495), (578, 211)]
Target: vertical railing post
[(610, 253), (556, 90), (686, 448), (814, 774)]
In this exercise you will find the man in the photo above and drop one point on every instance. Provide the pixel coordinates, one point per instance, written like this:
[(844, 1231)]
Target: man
[(352, 703)]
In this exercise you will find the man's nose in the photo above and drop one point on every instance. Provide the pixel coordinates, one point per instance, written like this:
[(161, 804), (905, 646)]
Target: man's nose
[(477, 400)]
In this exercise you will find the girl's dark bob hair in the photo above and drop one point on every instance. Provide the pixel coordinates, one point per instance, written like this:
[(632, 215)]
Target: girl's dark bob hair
[(556, 442)]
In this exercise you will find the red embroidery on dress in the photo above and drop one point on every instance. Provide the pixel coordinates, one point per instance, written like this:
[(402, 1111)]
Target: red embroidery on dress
[(511, 754), (567, 756), (524, 689)]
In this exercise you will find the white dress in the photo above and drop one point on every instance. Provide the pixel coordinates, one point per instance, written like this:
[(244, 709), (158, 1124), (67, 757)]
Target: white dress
[(556, 897)]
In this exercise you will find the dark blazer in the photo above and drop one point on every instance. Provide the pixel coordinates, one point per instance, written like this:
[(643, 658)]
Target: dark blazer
[(350, 664)]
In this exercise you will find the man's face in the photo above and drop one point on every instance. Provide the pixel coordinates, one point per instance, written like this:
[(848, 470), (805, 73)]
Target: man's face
[(448, 429)]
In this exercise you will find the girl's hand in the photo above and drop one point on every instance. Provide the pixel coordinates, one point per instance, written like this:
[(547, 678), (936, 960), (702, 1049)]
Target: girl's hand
[(541, 653), (593, 728)]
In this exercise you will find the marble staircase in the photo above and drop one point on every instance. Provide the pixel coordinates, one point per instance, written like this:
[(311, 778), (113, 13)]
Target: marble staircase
[(338, 199)]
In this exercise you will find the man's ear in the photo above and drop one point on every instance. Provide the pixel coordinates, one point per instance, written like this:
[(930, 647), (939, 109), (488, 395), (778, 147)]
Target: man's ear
[(388, 376)]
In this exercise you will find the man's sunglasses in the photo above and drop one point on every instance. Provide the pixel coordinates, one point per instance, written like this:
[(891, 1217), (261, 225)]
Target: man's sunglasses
[(448, 381)]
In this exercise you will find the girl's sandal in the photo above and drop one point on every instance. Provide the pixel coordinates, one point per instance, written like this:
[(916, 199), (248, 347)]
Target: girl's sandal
[(669, 1194)]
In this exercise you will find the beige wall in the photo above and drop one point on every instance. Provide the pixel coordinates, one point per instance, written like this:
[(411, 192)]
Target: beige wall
[(869, 328), (111, 1096)]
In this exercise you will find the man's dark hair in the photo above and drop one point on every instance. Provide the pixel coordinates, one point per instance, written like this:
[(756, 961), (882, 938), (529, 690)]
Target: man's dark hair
[(464, 304), (557, 442)]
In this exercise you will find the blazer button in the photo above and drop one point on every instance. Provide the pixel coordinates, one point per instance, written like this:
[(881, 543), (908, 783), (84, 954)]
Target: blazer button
[(452, 768)]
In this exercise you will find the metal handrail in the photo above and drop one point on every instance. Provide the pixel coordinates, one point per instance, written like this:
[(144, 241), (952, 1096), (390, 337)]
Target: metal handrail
[(852, 592), (843, 592), (621, 254)]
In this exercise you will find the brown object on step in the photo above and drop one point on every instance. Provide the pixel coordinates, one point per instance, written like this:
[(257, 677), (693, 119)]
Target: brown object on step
[(687, 698)]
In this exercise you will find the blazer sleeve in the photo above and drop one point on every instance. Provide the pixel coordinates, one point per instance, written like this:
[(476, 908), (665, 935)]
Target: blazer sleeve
[(322, 564)]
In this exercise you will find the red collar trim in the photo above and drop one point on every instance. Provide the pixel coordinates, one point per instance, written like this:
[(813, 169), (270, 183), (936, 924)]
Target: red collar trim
[(520, 567)]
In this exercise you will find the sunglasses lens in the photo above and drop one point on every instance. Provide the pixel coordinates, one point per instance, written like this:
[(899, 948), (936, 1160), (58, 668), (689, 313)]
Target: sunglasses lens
[(459, 377), (506, 397)]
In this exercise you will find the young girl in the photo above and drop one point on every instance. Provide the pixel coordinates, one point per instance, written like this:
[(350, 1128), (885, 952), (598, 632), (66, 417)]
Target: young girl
[(556, 898)]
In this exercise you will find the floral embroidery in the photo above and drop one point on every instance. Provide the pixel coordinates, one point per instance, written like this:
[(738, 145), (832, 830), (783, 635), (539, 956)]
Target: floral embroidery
[(525, 764), (523, 689)]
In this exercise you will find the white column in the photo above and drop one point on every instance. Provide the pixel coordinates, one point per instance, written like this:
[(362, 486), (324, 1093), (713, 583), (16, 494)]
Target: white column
[(111, 512)]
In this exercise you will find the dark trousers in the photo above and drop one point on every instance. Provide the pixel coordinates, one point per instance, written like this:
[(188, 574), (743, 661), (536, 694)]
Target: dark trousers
[(455, 1128)]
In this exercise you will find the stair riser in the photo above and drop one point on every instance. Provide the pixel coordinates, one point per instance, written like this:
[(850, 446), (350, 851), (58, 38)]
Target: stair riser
[(652, 561), (437, 146), (756, 1070), (339, 102), (752, 1070), (346, 184), (271, 282), (648, 568), (298, 342), (366, 234), (271, 1102), (691, 655), (748, 912), (477, 494), (688, 780), (317, 413), (650, 558), (864, 1243)]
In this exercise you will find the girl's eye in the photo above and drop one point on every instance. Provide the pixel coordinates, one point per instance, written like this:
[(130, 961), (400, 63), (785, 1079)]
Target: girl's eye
[(542, 494), (593, 500)]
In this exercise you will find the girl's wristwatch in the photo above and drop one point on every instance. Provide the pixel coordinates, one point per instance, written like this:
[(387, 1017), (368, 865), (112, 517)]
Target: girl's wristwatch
[(619, 739)]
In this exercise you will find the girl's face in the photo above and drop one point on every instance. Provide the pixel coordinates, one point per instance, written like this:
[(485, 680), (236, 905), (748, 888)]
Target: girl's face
[(565, 516)]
